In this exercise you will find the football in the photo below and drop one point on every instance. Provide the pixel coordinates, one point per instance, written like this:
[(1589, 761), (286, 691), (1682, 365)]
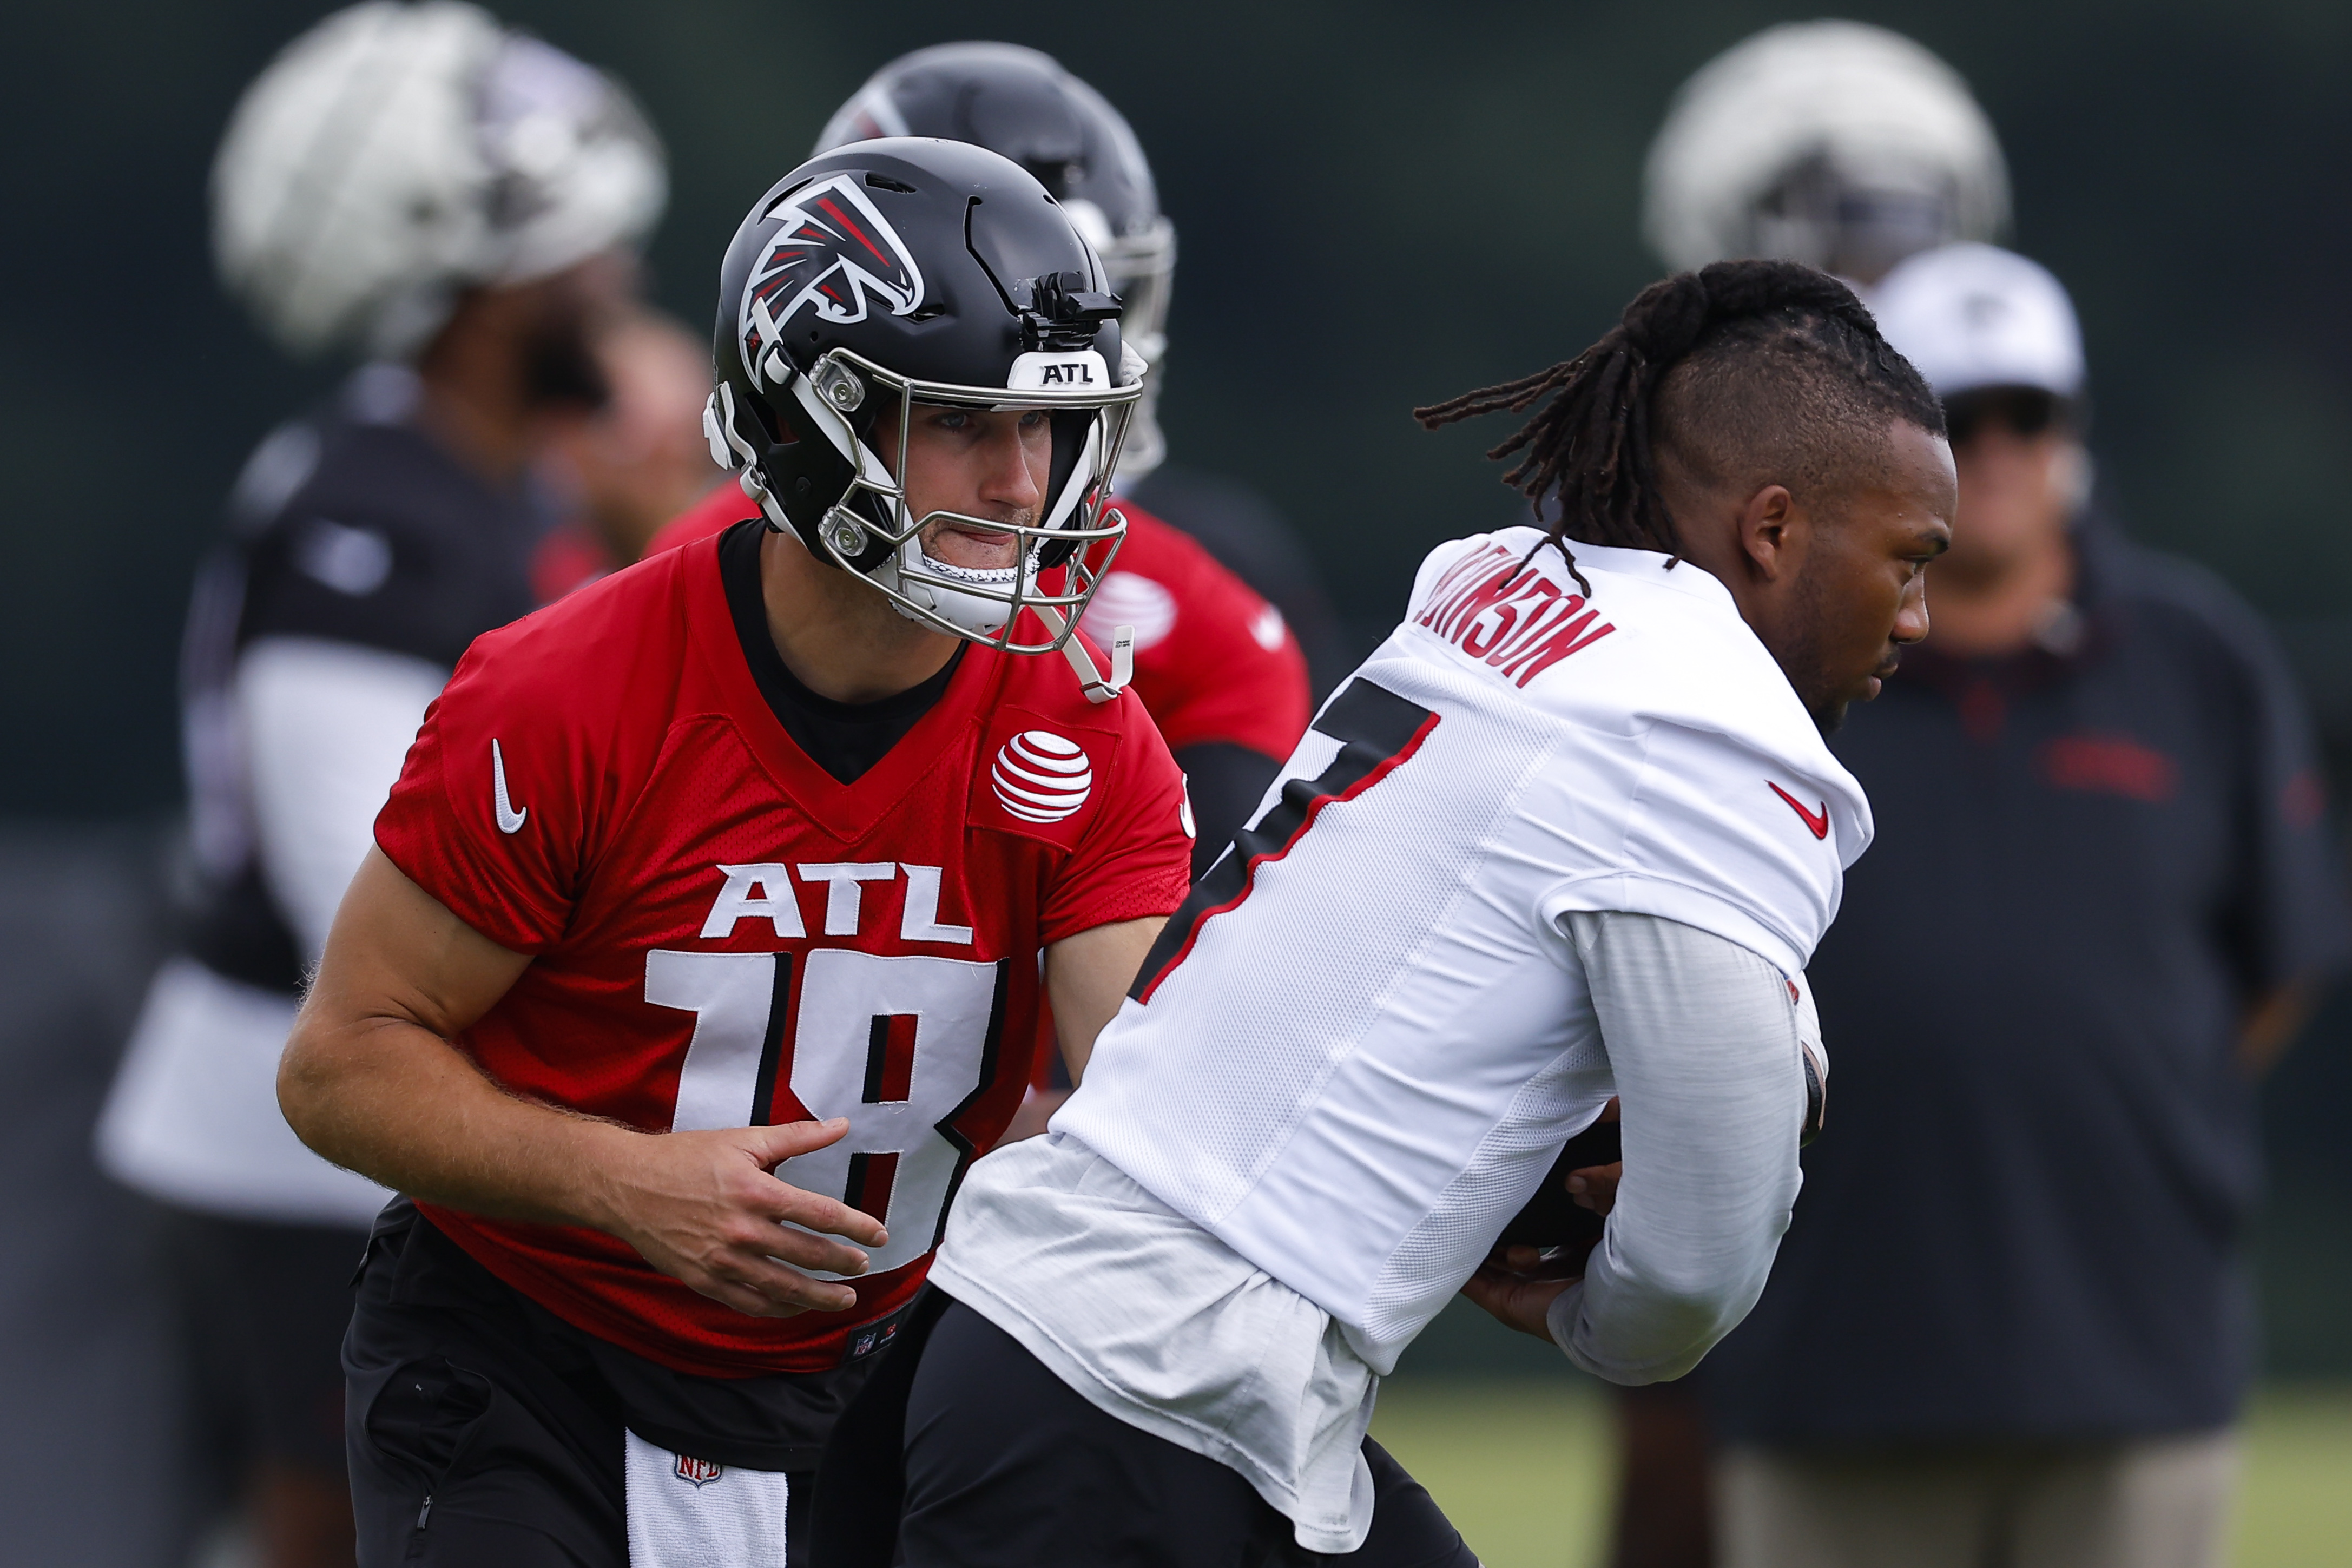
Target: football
[(1561, 1230)]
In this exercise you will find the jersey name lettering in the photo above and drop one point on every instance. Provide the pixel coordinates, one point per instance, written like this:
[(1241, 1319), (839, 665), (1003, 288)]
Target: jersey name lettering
[(764, 891), (1512, 617)]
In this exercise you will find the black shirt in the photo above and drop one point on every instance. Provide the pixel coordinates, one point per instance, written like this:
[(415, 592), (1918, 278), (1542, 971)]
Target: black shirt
[(844, 739), (351, 526), (2025, 1218)]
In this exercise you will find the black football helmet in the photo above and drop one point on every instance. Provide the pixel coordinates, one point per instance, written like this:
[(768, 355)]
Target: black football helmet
[(1022, 103), (901, 272)]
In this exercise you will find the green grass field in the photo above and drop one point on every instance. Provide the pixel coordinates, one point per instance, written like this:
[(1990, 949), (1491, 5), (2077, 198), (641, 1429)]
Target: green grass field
[(1524, 1468)]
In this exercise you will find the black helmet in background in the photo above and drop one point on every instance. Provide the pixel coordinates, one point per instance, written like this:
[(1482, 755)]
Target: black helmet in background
[(1023, 104), (902, 271)]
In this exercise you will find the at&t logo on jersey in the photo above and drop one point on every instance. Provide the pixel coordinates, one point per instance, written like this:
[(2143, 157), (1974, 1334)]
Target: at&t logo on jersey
[(1514, 617), (1131, 599), (1039, 777)]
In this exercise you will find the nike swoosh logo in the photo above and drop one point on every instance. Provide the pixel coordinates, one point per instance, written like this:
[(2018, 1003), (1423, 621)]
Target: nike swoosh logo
[(510, 820), (1819, 825)]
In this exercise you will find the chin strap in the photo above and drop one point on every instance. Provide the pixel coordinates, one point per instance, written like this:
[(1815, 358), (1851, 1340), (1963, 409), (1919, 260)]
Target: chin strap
[(1098, 687)]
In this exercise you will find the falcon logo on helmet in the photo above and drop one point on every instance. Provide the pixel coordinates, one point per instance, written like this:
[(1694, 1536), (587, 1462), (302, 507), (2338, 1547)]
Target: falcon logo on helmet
[(832, 253)]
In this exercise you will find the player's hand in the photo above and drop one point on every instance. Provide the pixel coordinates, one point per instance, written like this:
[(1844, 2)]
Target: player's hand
[(1515, 1301), (704, 1207), (1590, 1187), (1595, 1186)]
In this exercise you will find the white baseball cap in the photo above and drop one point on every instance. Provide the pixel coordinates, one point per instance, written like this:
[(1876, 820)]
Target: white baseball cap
[(1970, 316)]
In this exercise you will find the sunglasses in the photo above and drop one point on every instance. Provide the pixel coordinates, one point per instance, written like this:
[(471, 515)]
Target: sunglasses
[(2023, 411)]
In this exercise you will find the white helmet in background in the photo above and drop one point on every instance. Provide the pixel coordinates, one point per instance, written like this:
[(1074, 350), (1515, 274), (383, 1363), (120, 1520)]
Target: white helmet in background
[(1838, 144), (395, 155)]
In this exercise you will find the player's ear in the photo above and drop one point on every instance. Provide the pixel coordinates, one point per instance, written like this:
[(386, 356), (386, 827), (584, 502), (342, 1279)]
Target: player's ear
[(1769, 524)]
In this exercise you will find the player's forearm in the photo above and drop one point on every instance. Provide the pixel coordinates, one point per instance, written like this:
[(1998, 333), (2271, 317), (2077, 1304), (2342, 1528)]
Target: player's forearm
[(1087, 977), (1702, 1041), (371, 1081), (396, 1102)]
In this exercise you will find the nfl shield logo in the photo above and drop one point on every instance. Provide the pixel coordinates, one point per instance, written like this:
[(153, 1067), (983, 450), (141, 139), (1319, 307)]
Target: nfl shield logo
[(701, 1472)]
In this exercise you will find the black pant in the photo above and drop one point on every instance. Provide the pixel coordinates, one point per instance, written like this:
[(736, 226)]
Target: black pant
[(1007, 1467), (485, 1432)]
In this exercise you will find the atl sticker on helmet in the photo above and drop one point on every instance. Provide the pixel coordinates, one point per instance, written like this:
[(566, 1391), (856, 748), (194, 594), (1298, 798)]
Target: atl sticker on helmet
[(1080, 370)]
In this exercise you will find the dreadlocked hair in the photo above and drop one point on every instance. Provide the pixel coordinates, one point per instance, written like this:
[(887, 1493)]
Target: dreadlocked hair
[(1763, 370)]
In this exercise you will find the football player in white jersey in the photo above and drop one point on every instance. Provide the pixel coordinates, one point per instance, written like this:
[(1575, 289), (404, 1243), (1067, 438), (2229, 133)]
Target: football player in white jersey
[(1570, 835)]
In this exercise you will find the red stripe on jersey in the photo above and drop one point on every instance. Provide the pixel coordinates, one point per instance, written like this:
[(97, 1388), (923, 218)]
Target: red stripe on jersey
[(1364, 717), (890, 1058), (870, 1177)]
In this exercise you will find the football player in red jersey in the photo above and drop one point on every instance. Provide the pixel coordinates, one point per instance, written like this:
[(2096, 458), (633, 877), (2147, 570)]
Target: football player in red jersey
[(1215, 664), (707, 931)]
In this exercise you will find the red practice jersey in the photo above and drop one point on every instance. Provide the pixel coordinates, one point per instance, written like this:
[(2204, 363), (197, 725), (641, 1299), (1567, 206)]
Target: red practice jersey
[(724, 933), (1214, 661)]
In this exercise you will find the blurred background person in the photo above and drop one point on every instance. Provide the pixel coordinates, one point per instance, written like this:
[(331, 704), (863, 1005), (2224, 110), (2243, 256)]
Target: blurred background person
[(2010, 1324), (1021, 102), (458, 203), (1847, 147), (1838, 144), (619, 475)]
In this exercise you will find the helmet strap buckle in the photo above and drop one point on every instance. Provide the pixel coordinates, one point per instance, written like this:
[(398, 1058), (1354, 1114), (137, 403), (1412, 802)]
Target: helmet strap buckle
[(1100, 686)]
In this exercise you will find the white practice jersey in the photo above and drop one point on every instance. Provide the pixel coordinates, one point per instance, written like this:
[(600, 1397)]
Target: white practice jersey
[(1355, 1052)]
